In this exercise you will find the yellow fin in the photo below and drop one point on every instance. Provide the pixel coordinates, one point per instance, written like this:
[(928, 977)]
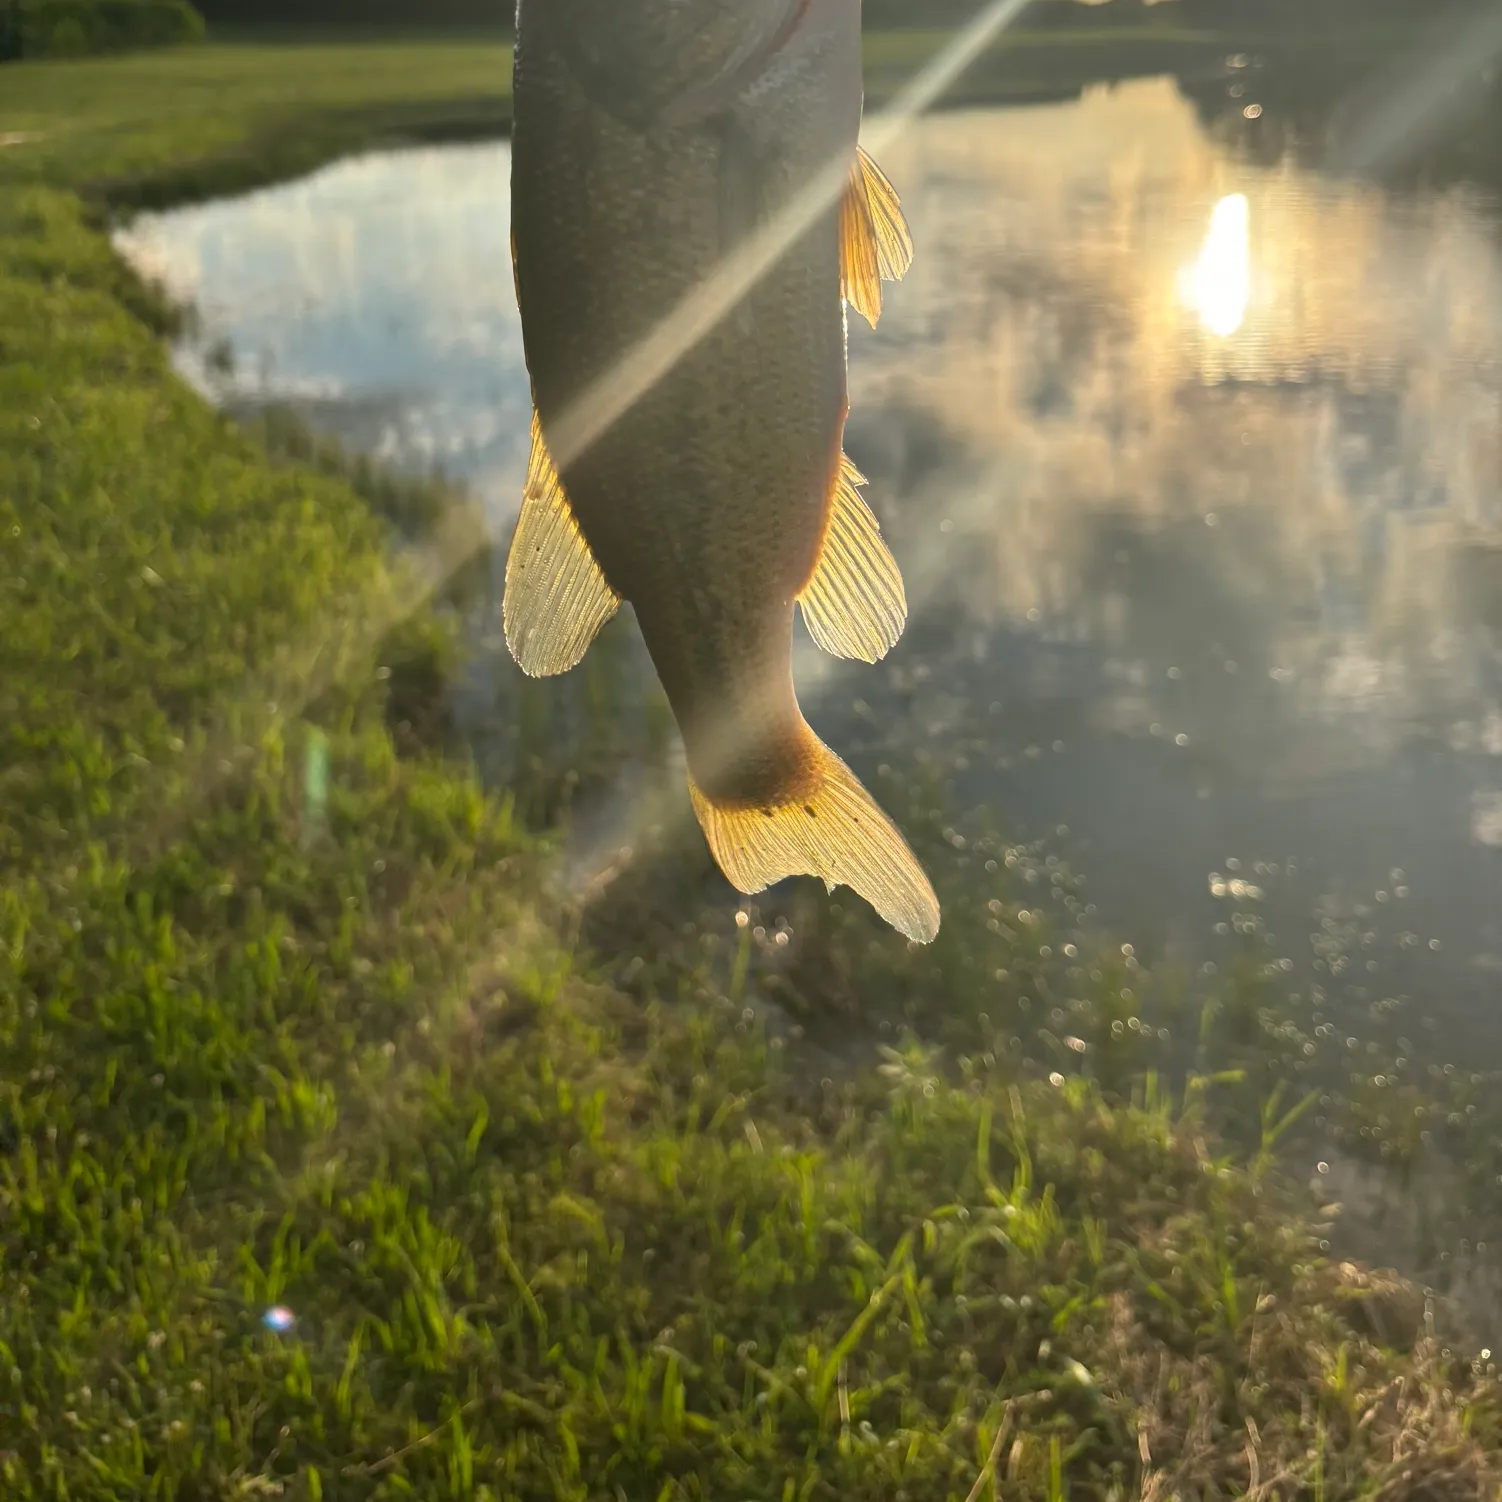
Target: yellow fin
[(836, 832), (855, 605), (556, 597), (875, 243)]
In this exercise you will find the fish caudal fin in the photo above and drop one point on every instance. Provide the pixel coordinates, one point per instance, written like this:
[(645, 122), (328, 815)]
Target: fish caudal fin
[(875, 243), (854, 605), (836, 832), (556, 596)]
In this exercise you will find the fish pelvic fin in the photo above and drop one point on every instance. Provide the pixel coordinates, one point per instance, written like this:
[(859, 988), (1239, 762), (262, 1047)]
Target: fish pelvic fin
[(833, 830), (854, 605), (875, 242), (556, 595)]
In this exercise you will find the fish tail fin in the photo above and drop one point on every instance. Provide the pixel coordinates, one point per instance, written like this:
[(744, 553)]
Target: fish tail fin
[(831, 827)]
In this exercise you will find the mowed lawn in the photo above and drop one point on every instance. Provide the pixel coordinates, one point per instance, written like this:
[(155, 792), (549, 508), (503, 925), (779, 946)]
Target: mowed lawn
[(227, 113), (290, 1021)]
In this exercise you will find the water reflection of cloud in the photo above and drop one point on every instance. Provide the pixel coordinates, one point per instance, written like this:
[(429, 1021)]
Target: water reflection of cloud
[(382, 282), (1327, 463), (1191, 594)]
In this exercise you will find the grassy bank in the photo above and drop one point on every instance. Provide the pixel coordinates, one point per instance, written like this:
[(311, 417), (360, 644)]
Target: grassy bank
[(284, 1021), (163, 126)]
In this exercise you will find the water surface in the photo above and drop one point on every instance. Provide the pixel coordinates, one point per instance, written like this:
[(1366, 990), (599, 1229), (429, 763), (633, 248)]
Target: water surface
[(1192, 465)]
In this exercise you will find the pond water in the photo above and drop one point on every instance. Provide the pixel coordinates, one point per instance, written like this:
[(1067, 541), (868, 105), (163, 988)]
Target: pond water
[(1193, 467)]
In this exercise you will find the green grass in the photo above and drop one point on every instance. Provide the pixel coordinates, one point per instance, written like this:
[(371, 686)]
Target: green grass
[(215, 118), (289, 1015)]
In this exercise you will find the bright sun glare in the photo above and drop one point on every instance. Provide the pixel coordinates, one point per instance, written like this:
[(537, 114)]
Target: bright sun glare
[(1218, 285)]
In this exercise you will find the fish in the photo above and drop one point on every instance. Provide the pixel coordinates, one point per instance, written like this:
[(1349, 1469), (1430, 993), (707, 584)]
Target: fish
[(650, 140)]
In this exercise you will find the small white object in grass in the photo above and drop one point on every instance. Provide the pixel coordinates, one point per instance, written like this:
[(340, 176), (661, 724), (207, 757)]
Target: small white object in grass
[(279, 1318)]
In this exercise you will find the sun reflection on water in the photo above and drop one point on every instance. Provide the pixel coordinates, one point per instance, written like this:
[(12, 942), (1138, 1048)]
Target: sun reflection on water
[(1218, 285)]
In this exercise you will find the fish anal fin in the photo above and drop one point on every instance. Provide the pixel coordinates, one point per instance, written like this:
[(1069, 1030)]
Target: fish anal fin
[(832, 829), (855, 604), (875, 243), (556, 596)]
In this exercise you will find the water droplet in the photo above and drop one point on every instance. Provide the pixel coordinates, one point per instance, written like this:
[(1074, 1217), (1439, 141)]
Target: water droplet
[(279, 1318)]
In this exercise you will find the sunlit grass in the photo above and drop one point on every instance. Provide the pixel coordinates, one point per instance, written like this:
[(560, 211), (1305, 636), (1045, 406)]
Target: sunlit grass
[(216, 115), (333, 1048), (531, 1236)]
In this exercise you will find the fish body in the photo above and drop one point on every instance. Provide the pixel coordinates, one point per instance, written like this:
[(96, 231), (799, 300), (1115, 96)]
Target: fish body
[(650, 140)]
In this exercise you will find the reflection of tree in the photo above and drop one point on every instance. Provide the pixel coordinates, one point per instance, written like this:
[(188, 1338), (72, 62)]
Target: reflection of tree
[(1292, 102), (1262, 20), (1296, 18), (1266, 77), (1293, 94)]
